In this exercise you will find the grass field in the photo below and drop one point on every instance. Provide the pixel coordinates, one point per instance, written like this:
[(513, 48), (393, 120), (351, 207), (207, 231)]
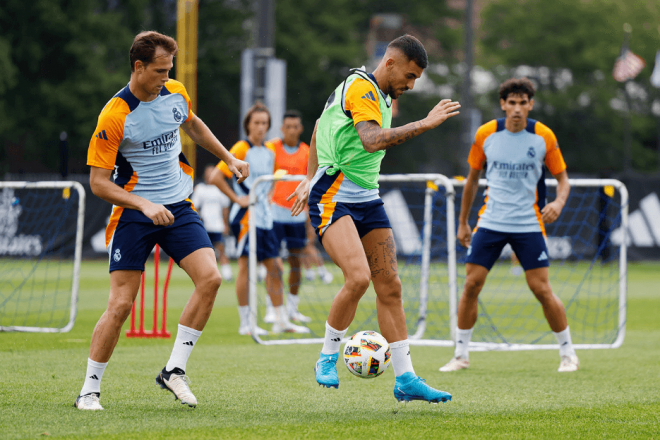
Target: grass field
[(250, 391)]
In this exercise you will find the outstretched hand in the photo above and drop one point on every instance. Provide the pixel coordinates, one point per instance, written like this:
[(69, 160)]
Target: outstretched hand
[(302, 196), (444, 110)]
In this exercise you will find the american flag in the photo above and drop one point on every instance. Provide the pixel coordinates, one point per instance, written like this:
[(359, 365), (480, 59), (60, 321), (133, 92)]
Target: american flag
[(627, 66)]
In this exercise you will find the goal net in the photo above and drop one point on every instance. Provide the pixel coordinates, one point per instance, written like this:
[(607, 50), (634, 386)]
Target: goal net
[(587, 271), (410, 201), (41, 226)]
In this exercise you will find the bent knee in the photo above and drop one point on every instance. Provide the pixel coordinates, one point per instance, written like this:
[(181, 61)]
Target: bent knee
[(210, 283), (358, 282), (473, 287), (389, 290), (120, 309)]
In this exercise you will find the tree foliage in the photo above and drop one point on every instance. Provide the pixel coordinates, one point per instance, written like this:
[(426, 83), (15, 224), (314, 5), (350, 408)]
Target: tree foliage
[(572, 46)]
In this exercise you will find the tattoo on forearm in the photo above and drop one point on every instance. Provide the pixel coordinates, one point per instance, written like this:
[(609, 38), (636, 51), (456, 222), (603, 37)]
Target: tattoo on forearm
[(371, 134)]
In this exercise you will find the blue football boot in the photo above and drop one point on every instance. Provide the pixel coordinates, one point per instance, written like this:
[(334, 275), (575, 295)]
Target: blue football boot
[(326, 370), (410, 387)]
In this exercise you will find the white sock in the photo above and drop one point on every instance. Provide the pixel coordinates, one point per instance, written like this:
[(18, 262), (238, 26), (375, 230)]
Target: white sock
[(401, 361), (321, 270), (292, 302), (244, 314), (332, 340), (186, 338), (565, 343), (93, 377), (462, 343)]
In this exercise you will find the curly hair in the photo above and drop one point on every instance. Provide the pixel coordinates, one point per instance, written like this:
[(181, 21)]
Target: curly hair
[(516, 86)]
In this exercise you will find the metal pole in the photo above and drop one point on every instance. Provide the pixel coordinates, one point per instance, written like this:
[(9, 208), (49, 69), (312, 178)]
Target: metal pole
[(627, 135), (466, 96)]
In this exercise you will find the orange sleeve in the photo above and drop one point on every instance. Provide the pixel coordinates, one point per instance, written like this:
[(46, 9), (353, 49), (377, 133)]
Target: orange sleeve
[(553, 157), (109, 133), (477, 157), (239, 151), (362, 101), (175, 86)]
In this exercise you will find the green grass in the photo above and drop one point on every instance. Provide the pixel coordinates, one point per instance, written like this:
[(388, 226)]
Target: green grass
[(251, 391)]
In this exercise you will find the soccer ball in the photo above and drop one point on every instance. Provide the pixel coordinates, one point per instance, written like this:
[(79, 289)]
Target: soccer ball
[(367, 354)]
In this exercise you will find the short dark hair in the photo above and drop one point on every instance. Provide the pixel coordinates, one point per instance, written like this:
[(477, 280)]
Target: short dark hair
[(292, 114), (516, 86), (257, 107), (145, 44), (412, 48)]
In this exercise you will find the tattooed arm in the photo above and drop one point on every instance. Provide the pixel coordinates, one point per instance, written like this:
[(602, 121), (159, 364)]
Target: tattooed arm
[(374, 138)]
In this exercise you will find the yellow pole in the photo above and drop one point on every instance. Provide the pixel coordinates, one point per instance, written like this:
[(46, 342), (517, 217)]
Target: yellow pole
[(186, 64)]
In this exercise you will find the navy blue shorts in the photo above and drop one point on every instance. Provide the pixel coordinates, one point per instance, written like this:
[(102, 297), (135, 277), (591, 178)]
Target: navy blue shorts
[(267, 244), (295, 234), (487, 245), (215, 237), (367, 216), (133, 236)]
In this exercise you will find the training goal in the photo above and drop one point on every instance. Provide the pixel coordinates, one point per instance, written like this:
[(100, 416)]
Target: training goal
[(41, 233), (587, 270)]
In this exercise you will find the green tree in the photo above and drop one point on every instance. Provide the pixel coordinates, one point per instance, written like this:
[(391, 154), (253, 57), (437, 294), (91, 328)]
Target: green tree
[(576, 44)]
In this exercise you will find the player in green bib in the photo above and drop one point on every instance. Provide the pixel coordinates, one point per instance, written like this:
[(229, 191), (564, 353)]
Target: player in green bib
[(347, 147)]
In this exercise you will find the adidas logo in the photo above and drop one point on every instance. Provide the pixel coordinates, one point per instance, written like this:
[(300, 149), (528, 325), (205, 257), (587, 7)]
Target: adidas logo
[(93, 376), (543, 256), (336, 339), (102, 135), (643, 225), (370, 96), (189, 343), (565, 343)]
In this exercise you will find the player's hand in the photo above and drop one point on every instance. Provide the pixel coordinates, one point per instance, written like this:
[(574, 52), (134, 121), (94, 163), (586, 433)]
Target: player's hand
[(444, 110), (551, 212), (302, 196), (464, 234), (158, 214), (243, 201), (241, 169)]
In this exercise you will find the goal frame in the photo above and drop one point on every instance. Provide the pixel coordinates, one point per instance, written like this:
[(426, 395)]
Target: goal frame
[(623, 272), (77, 251), (432, 182)]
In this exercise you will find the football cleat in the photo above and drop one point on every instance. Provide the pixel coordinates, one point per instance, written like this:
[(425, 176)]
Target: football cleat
[(568, 364), (88, 402), (299, 317), (455, 364), (176, 382), (409, 387), (245, 331), (286, 326), (326, 370)]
